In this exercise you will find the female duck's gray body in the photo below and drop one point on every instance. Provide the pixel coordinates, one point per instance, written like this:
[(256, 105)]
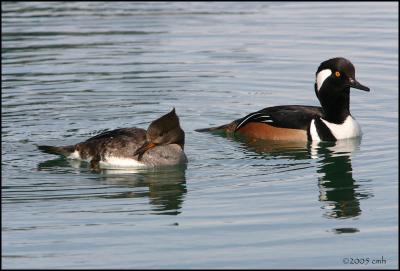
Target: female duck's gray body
[(161, 145)]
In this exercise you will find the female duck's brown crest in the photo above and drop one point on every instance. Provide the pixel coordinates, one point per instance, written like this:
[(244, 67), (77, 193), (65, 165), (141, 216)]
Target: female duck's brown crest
[(163, 131), (162, 125)]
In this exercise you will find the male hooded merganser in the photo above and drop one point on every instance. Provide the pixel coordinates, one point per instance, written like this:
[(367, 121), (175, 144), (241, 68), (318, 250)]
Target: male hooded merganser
[(162, 144), (330, 122)]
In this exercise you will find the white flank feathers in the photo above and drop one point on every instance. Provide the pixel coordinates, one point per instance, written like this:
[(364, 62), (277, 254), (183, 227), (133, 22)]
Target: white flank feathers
[(243, 121), (313, 132)]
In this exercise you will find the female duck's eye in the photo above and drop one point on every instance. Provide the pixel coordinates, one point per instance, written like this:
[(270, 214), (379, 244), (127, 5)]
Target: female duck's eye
[(337, 74)]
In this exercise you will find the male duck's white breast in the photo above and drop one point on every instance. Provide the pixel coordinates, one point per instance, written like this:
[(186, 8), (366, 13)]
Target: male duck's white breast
[(348, 129)]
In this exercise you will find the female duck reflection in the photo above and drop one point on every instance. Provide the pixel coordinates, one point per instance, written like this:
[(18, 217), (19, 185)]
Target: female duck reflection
[(339, 192), (166, 186)]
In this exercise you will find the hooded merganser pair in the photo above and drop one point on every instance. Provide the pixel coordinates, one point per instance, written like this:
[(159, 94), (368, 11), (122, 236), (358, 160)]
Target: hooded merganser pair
[(161, 145), (330, 122), (163, 142)]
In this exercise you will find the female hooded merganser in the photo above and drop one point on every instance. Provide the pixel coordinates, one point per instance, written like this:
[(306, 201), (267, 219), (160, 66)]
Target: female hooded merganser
[(330, 122), (162, 144)]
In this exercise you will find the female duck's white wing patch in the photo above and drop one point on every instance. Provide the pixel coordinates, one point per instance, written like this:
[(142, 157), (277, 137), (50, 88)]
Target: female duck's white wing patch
[(77, 156), (111, 162), (348, 129)]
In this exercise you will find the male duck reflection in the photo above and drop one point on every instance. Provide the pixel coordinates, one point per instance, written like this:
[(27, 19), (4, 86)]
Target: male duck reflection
[(330, 122), (161, 145)]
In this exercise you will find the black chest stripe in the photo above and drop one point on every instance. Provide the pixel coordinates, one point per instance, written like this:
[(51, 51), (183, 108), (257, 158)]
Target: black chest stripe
[(323, 131)]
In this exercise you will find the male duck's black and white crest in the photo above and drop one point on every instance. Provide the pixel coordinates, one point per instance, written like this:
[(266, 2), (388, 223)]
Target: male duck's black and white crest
[(162, 144), (334, 78), (330, 122)]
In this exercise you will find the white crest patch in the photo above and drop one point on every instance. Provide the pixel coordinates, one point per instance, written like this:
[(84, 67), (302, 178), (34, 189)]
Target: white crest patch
[(321, 77), (348, 129)]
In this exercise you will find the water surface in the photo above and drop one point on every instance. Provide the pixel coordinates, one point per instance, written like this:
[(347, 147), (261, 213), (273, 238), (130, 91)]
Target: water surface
[(72, 70)]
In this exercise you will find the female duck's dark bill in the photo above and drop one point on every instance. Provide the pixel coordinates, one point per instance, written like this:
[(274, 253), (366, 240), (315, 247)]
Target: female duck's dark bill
[(355, 84)]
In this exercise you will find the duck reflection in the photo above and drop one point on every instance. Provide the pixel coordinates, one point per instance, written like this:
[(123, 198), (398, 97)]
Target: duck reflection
[(165, 187), (337, 187), (295, 150), (338, 190)]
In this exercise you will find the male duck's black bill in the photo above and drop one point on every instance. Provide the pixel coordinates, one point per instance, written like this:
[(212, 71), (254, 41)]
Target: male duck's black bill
[(355, 84)]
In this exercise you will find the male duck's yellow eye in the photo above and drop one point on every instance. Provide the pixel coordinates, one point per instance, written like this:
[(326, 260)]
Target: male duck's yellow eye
[(337, 74)]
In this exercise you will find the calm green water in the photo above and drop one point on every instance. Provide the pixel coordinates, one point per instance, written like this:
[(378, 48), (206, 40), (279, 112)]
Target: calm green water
[(71, 70)]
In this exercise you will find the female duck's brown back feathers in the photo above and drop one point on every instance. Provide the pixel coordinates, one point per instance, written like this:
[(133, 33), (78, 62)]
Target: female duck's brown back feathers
[(118, 142)]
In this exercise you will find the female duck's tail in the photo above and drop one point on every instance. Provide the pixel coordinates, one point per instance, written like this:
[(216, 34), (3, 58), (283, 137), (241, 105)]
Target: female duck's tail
[(64, 150)]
